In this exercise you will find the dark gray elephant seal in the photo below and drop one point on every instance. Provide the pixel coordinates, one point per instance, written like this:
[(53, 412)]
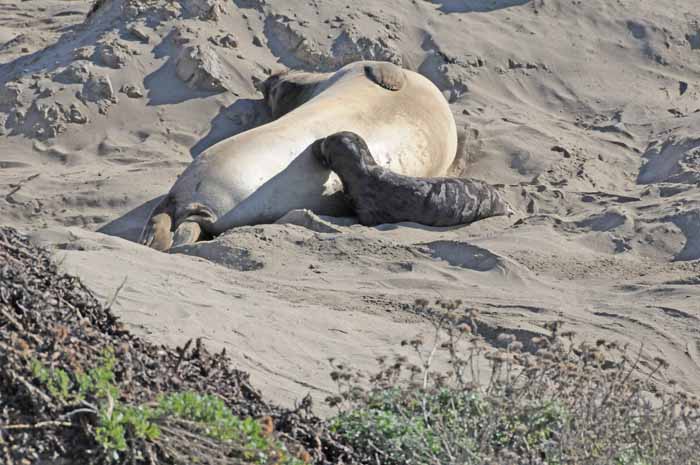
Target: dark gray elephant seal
[(379, 195)]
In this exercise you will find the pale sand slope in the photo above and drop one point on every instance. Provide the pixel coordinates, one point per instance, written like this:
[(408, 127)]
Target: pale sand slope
[(586, 111)]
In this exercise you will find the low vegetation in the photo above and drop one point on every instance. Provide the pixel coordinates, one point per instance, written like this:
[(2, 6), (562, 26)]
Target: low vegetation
[(76, 387), (558, 402), (119, 426)]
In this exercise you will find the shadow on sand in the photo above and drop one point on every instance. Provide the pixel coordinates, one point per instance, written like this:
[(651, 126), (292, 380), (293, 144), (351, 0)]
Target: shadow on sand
[(476, 6), (241, 116), (130, 225)]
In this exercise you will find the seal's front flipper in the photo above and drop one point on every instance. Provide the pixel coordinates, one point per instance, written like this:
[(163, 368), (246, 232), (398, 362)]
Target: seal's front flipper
[(157, 232), (187, 233), (158, 235), (387, 75)]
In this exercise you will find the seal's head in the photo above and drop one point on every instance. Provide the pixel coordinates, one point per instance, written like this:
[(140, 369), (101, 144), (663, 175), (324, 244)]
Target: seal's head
[(279, 94), (343, 151), (285, 91)]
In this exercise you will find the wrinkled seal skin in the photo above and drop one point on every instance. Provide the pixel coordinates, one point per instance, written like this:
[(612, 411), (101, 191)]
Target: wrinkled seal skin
[(261, 174), (379, 195)]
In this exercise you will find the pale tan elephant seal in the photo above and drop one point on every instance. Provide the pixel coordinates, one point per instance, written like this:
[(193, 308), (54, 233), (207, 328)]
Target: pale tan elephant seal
[(261, 174)]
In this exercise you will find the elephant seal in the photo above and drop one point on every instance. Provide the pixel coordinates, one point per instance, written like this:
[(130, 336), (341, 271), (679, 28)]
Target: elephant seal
[(261, 174), (380, 196)]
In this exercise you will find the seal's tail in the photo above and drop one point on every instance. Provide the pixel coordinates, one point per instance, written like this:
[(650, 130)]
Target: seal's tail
[(157, 233)]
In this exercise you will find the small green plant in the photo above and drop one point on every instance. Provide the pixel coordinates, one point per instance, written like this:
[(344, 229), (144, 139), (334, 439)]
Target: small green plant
[(217, 421), (98, 382), (387, 426), (115, 424), (57, 381), (207, 410), (111, 433), (101, 379), (115, 421), (119, 425)]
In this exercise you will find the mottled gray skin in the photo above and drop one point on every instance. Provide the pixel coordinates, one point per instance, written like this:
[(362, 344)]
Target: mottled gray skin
[(379, 195)]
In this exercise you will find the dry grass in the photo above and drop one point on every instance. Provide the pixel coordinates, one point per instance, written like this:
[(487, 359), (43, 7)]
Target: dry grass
[(560, 403)]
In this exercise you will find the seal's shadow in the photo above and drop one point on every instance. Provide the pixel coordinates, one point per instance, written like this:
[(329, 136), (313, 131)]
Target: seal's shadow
[(130, 225), (297, 196), (242, 115), (476, 6)]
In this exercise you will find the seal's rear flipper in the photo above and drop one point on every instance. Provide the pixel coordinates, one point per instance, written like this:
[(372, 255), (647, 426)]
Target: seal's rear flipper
[(188, 232), (484, 201), (387, 75)]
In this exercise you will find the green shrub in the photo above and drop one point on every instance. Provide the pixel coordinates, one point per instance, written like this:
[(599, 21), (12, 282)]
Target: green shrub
[(217, 421), (383, 428), (559, 403), (119, 426), (411, 426)]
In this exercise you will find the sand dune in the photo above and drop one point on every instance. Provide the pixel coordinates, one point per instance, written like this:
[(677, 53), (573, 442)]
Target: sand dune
[(588, 114)]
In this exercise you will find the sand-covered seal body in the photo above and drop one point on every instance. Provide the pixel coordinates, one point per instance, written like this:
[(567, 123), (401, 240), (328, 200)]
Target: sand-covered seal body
[(261, 174), (379, 195)]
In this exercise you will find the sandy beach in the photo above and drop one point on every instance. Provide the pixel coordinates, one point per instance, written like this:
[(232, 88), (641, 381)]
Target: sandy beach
[(586, 114)]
